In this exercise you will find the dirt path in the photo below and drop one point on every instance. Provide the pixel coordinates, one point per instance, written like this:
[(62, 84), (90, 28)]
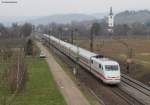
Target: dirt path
[(69, 90)]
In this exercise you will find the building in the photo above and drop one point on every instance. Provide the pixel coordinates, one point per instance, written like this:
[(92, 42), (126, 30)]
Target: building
[(110, 21)]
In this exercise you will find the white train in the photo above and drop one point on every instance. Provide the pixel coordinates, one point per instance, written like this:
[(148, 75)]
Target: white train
[(104, 68)]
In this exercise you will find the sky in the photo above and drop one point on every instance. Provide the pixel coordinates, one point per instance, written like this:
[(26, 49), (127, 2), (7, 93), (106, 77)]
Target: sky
[(50, 7)]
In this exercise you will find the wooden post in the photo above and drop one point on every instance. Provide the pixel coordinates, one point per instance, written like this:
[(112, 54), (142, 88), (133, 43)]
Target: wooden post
[(128, 64), (72, 36), (91, 42)]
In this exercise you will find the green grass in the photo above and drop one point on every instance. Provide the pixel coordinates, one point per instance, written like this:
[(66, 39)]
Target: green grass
[(3, 89), (40, 88), (2, 67)]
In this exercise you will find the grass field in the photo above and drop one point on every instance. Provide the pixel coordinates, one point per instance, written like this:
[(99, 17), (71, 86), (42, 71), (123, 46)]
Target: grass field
[(40, 88), (3, 90)]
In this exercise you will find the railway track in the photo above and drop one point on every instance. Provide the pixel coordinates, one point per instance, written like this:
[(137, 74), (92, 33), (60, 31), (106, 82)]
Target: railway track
[(136, 89), (128, 98), (136, 84)]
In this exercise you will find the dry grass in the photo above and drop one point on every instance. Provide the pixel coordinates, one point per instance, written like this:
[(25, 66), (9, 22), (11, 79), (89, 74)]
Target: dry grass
[(111, 47)]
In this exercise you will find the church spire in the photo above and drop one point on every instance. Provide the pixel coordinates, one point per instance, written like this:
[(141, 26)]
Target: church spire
[(111, 13), (110, 21)]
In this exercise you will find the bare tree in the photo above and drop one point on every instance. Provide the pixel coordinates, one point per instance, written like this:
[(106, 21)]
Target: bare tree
[(129, 59), (3, 31), (29, 47), (26, 30), (17, 73), (95, 29)]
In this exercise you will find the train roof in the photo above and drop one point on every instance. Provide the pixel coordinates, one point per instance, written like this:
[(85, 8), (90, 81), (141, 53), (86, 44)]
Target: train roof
[(105, 61), (85, 53)]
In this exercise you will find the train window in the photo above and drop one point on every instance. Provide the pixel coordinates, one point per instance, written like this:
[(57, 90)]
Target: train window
[(100, 66), (111, 67), (99, 56), (92, 61)]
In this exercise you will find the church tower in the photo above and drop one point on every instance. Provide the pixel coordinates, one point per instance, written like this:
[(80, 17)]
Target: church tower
[(110, 21)]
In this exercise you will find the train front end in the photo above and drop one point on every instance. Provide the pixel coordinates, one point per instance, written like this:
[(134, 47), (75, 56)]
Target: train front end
[(112, 72)]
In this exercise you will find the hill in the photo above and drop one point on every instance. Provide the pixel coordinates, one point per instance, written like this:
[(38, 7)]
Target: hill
[(126, 17), (62, 19), (129, 17)]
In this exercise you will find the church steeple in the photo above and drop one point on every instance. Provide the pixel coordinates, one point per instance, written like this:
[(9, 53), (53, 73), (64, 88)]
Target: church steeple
[(111, 13), (110, 21)]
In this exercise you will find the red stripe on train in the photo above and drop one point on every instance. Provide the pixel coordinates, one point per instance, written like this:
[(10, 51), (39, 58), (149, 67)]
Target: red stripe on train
[(101, 75)]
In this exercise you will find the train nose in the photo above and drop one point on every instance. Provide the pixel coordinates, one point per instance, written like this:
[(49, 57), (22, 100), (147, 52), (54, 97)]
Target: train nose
[(114, 77)]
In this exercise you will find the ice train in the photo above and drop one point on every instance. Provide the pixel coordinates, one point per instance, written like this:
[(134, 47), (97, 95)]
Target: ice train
[(104, 68)]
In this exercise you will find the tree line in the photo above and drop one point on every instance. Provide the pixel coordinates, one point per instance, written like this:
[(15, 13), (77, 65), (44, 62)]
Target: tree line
[(15, 45), (15, 30), (100, 27)]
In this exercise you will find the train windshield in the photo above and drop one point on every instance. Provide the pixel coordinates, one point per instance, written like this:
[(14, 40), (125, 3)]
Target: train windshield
[(111, 67)]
